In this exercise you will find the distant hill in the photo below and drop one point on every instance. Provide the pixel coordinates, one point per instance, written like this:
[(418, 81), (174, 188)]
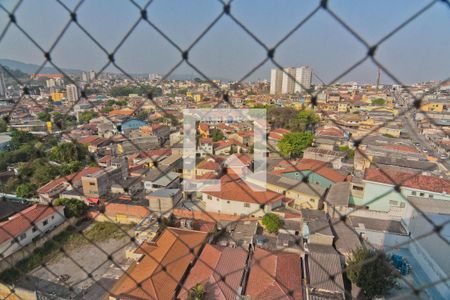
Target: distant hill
[(32, 68)]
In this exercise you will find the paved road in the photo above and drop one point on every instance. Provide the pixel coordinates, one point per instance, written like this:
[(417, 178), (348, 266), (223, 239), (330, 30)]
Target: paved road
[(414, 133)]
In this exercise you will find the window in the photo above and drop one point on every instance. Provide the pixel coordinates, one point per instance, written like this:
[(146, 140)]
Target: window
[(22, 236), (430, 195), (312, 200), (45, 223), (91, 183), (413, 193), (53, 217), (228, 202), (393, 203), (209, 197), (34, 229), (246, 204), (422, 194)]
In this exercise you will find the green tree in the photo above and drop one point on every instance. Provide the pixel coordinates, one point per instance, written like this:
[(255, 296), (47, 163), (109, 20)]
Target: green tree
[(305, 119), (278, 117), (63, 122), (294, 143), (3, 125), (19, 138), (216, 134), (44, 116), (143, 115), (72, 207), (26, 190), (372, 271), (67, 152), (86, 116), (197, 292), (350, 153), (378, 101), (272, 222)]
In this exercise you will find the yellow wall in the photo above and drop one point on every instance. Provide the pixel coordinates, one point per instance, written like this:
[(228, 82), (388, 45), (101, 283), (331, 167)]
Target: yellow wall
[(57, 96), (437, 107)]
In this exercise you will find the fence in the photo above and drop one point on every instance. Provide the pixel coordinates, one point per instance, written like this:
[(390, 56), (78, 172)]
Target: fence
[(327, 282)]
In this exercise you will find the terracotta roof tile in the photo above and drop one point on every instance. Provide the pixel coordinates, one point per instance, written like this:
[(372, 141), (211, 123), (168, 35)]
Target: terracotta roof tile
[(162, 266), (22, 221), (411, 180), (214, 263), (274, 276), (235, 189)]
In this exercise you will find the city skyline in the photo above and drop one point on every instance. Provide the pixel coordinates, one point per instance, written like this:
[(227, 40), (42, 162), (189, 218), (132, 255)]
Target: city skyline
[(414, 54)]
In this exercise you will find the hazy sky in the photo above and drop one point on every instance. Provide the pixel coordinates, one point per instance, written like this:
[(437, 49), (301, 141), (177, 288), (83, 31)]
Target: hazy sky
[(420, 51)]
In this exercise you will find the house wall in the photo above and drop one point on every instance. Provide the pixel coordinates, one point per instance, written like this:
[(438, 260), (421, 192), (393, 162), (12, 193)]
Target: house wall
[(382, 197), (381, 239), (320, 239), (25, 251), (312, 177), (217, 205), (163, 205), (54, 220)]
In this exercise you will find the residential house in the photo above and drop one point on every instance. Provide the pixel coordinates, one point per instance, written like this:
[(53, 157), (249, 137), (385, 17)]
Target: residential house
[(99, 183), (320, 262), (316, 227), (329, 156), (162, 201), (314, 171), (275, 275), (160, 178), (237, 198), (386, 189), (161, 266), (124, 210), (56, 187), (220, 270), (23, 227)]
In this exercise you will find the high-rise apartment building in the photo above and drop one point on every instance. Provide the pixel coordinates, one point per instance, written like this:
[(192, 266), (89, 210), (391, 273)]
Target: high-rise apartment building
[(84, 77), (303, 78), (276, 78), (92, 75), (290, 80), (71, 93), (3, 90), (288, 83)]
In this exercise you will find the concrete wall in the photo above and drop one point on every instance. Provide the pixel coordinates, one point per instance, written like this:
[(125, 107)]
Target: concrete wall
[(382, 240)]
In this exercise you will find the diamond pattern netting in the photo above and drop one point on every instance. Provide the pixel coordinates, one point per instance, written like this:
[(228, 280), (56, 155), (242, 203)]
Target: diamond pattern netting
[(142, 19)]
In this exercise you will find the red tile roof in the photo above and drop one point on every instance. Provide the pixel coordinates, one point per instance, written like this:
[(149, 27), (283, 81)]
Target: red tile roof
[(235, 189), (273, 275), (214, 263), (208, 164), (171, 251), (329, 131), (71, 179), (401, 148), (22, 221), (410, 180)]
